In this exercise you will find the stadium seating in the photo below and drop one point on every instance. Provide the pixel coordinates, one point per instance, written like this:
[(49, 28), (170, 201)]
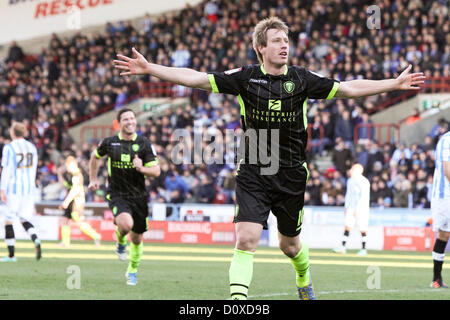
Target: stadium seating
[(72, 80)]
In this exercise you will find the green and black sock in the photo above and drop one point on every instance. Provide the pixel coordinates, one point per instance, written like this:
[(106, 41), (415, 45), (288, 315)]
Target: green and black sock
[(301, 266), (136, 251), (240, 274)]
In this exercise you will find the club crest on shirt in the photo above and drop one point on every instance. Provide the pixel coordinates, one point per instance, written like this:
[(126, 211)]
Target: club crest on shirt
[(135, 147), (228, 72), (289, 86)]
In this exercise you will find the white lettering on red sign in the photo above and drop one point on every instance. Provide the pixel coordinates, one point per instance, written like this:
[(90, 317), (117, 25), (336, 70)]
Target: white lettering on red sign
[(189, 237), (405, 232), (189, 227)]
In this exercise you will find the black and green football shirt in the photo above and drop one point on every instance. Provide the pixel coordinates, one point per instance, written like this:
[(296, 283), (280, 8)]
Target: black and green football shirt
[(123, 178), (275, 102)]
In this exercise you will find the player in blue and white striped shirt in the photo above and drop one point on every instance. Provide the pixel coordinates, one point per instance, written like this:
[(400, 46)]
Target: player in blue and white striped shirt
[(440, 207), (17, 187)]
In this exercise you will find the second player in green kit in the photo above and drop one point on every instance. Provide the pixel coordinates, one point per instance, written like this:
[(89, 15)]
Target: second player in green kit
[(130, 158)]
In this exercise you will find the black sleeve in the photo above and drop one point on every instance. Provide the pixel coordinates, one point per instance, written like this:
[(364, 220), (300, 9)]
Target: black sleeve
[(102, 148), (226, 82), (149, 158), (320, 87)]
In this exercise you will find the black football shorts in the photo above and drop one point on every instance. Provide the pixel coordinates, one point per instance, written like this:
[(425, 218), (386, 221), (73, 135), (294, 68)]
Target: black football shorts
[(282, 193), (137, 207), (68, 211)]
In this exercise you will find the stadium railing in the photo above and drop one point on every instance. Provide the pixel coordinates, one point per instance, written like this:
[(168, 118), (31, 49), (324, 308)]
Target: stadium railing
[(167, 89), (100, 111), (431, 85), (312, 143), (392, 131), (40, 137), (98, 131)]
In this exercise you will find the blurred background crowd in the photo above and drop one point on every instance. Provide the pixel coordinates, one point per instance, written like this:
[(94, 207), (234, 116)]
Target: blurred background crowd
[(73, 79)]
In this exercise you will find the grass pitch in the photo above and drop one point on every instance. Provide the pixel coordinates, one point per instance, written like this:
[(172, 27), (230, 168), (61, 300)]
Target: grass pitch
[(195, 272)]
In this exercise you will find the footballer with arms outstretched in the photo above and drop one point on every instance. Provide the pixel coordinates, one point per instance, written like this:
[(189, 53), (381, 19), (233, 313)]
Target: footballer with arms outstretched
[(273, 96)]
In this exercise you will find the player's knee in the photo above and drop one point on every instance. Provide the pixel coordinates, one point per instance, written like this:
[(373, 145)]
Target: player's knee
[(124, 222), (246, 242), (443, 235), (125, 227), (290, 250)]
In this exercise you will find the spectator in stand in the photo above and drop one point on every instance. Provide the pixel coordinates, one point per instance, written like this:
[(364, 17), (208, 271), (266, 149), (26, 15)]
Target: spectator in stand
[(344, 129), (414, 117), (374, 194), (361, 155), (15, 53), (384, 191), (181, 57), (401, 194), (420, 194), (328, 130), (206, 192), (366, 131), (317, 146), (397, 155), (342, 157), (373, 157), (70, 80), (175, 186)]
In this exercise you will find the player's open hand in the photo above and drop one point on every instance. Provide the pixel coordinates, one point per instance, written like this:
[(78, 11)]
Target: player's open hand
[(407, 81), (137, 162), (130, 66), (93, 186)]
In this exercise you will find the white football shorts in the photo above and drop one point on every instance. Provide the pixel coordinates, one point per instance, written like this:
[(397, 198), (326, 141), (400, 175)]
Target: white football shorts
[(19, 206), (440, 212), (357, 216)]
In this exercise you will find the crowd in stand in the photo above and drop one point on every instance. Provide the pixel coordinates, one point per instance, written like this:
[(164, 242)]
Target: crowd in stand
[(73, 78), (400, 175)]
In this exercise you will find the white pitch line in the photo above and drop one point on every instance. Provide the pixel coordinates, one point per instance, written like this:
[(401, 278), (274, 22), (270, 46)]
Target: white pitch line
[(345, 292)]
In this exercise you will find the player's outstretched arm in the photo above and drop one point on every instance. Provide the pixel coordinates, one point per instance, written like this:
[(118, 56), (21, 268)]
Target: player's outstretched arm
[(362, 88), (182, 76), (93, 172)]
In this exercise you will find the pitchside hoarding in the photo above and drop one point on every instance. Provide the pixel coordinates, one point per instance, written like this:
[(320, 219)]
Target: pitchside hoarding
[(389, 229)]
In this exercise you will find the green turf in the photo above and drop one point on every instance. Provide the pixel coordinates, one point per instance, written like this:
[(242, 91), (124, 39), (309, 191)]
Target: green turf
[(205, 280)]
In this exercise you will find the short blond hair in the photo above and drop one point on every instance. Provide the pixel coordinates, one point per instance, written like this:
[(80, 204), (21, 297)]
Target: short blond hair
[(259, 37), (19, 129), (357, 169)]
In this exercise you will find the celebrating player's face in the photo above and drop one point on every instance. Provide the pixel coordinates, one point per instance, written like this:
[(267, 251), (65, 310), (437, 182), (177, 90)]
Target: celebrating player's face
[(277, 50), (128, 123)]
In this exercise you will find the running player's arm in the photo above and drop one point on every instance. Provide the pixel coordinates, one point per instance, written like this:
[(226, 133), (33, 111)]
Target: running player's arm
[(149, 165), (182, 76), (363, 87), (7, 171), (76, 189), (94, 164), (152, 170), (61, 180)]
